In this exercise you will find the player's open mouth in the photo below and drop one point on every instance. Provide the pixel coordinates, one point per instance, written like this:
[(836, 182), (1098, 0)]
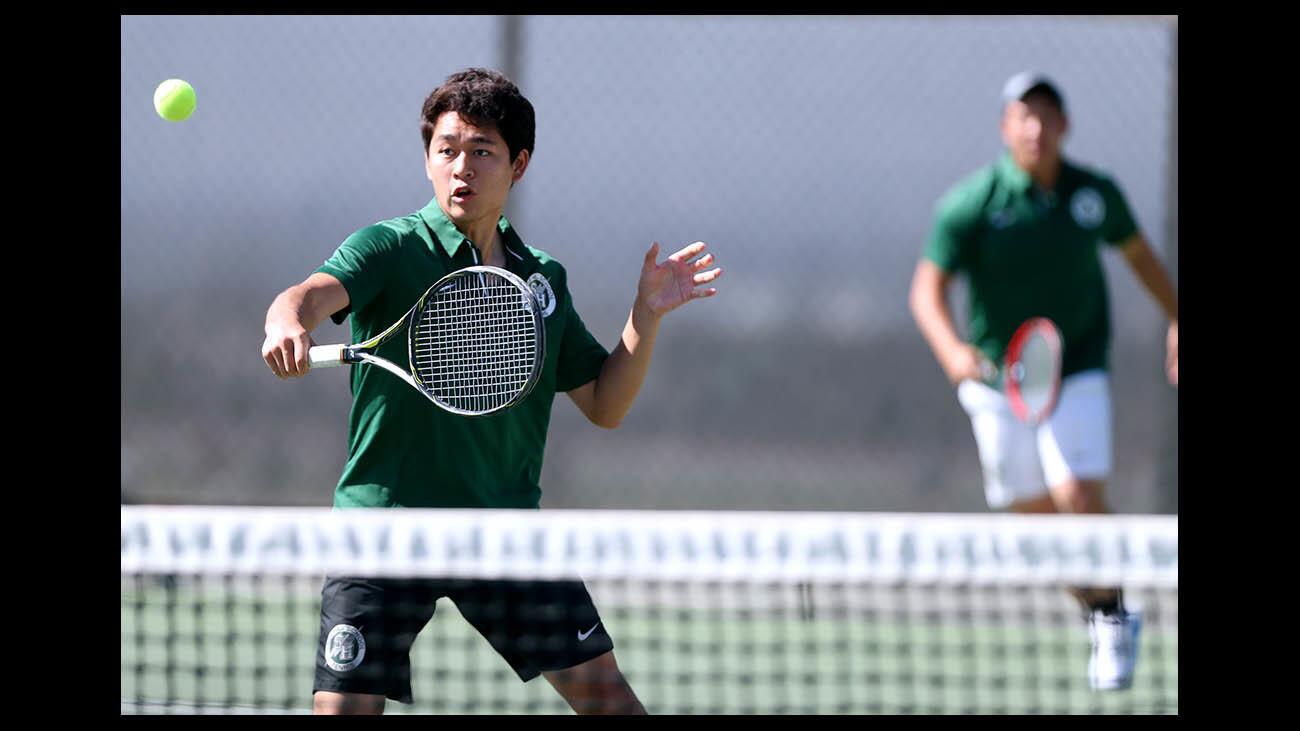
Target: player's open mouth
[(463, 193)]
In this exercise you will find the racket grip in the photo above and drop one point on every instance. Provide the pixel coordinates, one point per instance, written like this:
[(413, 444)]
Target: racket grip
[(326, 356)]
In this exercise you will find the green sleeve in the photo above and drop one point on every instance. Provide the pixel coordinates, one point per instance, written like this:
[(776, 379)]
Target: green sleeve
[(581, 355), (362, 263), (1119, 224), (951, 244)]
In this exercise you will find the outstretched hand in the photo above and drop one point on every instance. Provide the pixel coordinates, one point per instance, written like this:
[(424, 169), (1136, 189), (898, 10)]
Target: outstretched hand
[(665, 287)]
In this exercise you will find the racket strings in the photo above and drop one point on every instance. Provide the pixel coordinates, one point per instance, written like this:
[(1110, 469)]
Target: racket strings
[(1035, 371), (475, 345)]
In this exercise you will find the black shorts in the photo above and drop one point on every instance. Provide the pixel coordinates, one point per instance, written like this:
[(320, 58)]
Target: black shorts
[(367, 627)]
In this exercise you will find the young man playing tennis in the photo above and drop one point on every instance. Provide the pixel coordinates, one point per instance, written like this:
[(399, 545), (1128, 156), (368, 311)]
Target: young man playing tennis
[(405, 452), (1025, 230)]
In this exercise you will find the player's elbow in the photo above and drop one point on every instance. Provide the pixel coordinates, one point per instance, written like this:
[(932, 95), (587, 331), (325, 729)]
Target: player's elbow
[(602, 407), (918, 300), (606, 416), (925, 293)]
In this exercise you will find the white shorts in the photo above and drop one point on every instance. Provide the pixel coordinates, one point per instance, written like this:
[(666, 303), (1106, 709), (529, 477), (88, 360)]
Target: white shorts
[(1019, 461)]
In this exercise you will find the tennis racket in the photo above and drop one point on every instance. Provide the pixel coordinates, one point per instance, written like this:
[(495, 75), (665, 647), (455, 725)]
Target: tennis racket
[(1032, 370), (476, 342)]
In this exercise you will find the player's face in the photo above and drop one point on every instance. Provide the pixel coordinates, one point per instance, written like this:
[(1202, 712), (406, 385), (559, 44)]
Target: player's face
[(471, 169), (1032, 130)]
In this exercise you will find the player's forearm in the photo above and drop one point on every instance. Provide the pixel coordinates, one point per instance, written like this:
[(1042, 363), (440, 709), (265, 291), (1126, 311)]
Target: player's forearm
[(307, 304), (1142, 260), (289, 310), (1157, 283), (625, 370), (930, 310)]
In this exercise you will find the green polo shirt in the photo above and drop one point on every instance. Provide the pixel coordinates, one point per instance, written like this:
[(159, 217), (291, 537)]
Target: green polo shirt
[(403, 451), (1030, 253)]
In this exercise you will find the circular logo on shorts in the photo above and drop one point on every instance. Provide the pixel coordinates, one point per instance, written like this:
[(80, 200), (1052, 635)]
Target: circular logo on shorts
[(1088, 208), (344, 648), (542, 290)]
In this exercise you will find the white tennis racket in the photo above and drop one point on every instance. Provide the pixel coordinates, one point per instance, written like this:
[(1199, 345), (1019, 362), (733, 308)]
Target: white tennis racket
[(476, 342), (1032, 379)]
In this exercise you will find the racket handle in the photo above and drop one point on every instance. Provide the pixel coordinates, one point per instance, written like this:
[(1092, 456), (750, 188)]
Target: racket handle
[(326, 356), (988, 371)]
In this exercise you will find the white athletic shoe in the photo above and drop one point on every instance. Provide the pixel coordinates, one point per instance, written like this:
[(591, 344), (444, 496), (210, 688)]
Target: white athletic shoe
[(1114, 649)]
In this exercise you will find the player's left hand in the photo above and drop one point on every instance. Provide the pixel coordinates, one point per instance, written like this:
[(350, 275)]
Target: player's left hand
[(665, 287)]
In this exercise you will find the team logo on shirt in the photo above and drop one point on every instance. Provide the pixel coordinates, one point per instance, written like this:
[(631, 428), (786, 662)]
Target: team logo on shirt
[(1088, 208), (542, 290), (1001, 219), (344, 648)]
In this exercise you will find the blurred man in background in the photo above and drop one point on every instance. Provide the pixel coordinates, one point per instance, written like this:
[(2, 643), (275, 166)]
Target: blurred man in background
[(1026, 231)]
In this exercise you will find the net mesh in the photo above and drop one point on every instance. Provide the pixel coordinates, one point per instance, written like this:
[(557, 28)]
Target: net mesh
[(709, 612), (476, 344)]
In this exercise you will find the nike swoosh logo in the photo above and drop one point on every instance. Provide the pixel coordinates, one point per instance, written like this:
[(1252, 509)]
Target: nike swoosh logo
[(584, 635)]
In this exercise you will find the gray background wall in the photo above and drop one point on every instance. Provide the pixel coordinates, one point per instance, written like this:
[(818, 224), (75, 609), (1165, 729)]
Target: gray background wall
[(808, 152)]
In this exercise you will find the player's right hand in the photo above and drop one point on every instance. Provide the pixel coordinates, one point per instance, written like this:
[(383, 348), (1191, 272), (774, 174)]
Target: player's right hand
[(285, 349), (965, 362)]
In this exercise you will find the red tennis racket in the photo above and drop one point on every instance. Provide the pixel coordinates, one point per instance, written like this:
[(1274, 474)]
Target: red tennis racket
[(1032, 371)]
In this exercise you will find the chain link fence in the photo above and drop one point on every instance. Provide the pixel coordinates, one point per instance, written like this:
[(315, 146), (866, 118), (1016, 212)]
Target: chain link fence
[(807, 151)]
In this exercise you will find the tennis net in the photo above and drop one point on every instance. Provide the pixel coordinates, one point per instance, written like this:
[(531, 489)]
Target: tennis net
[(710, 612)]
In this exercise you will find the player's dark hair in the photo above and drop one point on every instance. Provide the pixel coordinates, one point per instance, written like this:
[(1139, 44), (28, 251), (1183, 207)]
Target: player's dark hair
[(484, 98)]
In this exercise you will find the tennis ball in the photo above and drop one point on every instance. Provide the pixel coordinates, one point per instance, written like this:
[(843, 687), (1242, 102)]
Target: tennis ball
[(174, 100)]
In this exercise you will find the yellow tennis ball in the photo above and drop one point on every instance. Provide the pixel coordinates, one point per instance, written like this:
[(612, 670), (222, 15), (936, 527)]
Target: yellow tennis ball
[(174, 99)]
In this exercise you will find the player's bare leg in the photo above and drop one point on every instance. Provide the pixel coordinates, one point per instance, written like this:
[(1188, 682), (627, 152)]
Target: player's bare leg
[(1080, 496), (596, 687), (329, 703), (1073, 496), (1114, 631), (1084, 497)]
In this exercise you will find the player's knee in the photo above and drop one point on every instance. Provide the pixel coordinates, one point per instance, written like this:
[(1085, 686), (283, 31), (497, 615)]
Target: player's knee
[(596, 687), (1037, 504), (325, 703), (613, 695), (1079, 496)]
